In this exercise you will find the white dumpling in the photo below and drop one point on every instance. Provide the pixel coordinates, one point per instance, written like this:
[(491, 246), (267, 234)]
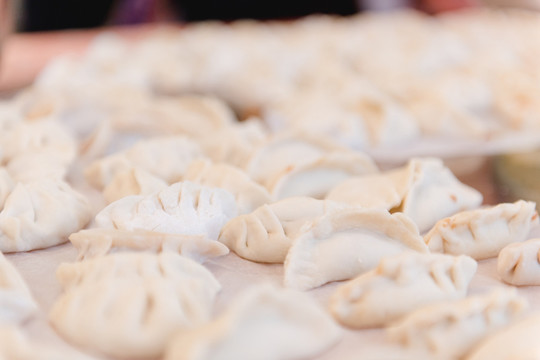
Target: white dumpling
[(16, 301), (284, 152), (317, 177), (401, 284), (370, 190), (433, 193), (518, 341), (135, 181), (249, 194), (14, 345), (266, 234), (6, 186), (97, 242), (166, 157), (519, 263), (34, 166), (235, 143), (41, 214), (482, 233), (264, 323), (346, 243), (38, 136), (449, 330), (182, 208), (130, 305)]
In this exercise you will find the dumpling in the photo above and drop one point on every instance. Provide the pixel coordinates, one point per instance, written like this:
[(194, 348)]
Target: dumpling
[(433, 193), (134, 181), (249, 194), (285, 152), (235, 143), (264, 323), (166, 157), (41, 214), (370, 190), (401, 284), (38, 136), (130, 305), (482, 233), (14, 345), (449, 330), (34, 166), (316, 178), (97, 242), (519, 263), (267, 233), (345, 243), (518, 341), (6, 186), (16, 302), (182, 208)]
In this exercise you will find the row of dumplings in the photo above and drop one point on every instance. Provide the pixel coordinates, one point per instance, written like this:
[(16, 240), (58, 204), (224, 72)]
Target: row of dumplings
[(429, 76)]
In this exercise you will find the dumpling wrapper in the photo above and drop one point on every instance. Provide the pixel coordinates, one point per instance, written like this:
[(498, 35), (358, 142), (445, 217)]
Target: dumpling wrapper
[(14, 345), (286, 151), (370, 190), (401, 284), (264, 323), (518, 341), (346, 243), (449, 330), (266, 234), (519, 263), (6, 186), (41, 214), (318, 177), (166, 157), (98, 242), (35, 166), (249, 195), (135, 181), (16, 301), (482, 233), (433, 193), (130, 305), (182, 208)]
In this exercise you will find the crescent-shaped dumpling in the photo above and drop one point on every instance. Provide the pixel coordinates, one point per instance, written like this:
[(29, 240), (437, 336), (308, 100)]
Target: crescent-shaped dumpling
[(266, 234), (131, 304), (264, 323), (519, 263), (400, 284), (482, 233), (346, 243)]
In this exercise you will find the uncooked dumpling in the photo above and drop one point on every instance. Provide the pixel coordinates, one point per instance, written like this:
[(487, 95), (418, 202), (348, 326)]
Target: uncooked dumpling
[(433, 193), (249, 194), (6, 186), (317, 177), (519, 263), (401, 284), (285, 152), (130, 305), (346, 243), (134, 181), (449, 330), (182, 208), (97, 242), (371, 190), (482, 233), (264, 323), (166, 157), (14, 345), (16, 301), (518, 341), (41, 214), (266, 234)]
